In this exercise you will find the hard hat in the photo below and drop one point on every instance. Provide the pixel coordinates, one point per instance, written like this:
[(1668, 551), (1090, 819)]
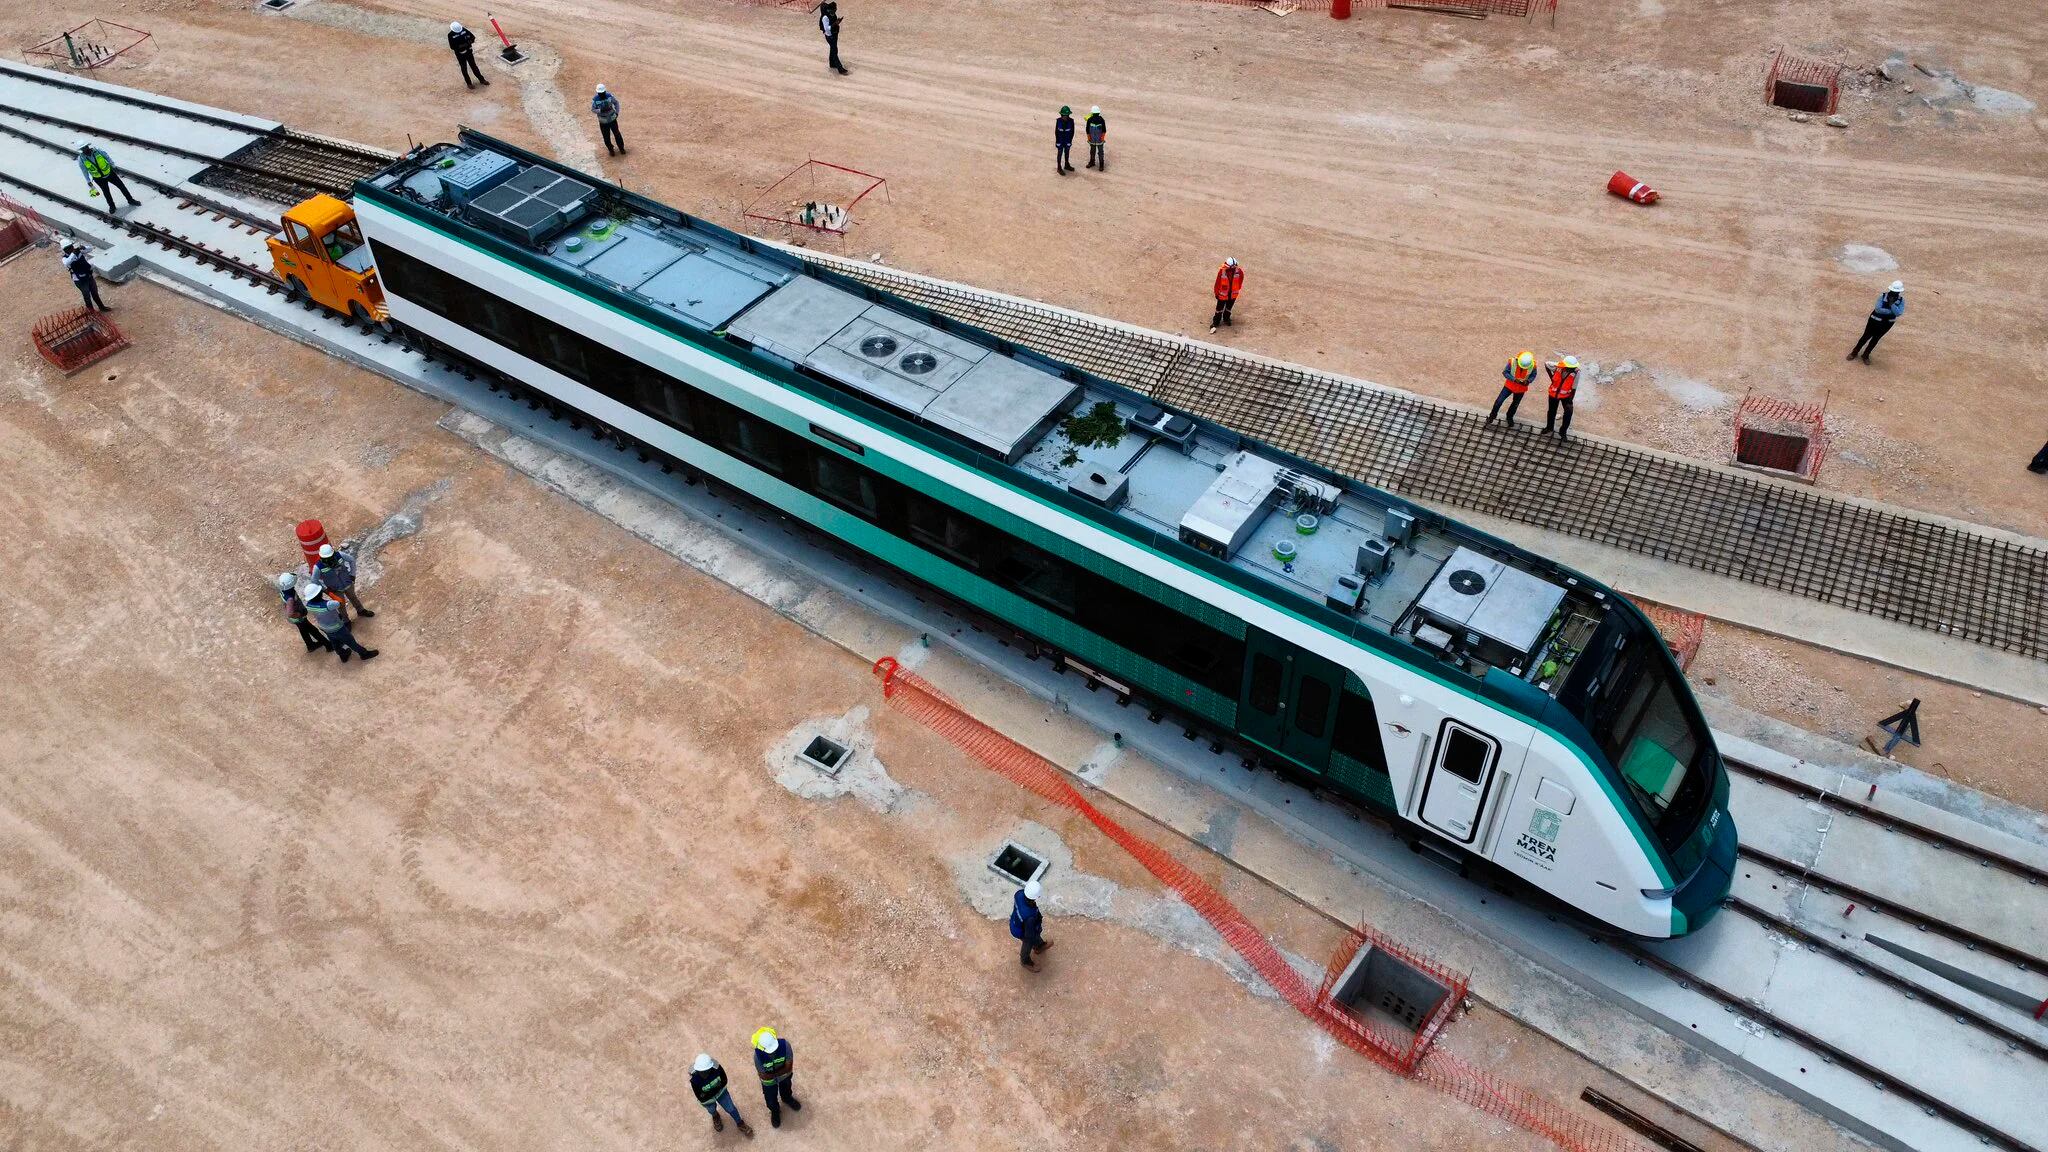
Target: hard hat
[(765, 1039), (1095, 110), (80, 144), (1569, 362), (285, 580), (1898, 286), (456, 26), (1230, 260), (600, 89), (1066, 111), (1031, 889), (311, 591), (704, 1062), (1525, 360), (326, 551)]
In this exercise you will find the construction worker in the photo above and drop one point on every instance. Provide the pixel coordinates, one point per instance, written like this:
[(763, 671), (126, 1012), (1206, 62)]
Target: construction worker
[(829, 21), (1891, 305), (1027, 924), (462, 42), (295, 611), (1564, 384), (605, 107), (1229, 283), (1098, 135), (775, 1060), (707, 1080), (326, 613), (78, 262), (101, 177), (336, 572), (1515, 384), (1063, 141)]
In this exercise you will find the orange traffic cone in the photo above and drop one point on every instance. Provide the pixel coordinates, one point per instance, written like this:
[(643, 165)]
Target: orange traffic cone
[(1629, 188)]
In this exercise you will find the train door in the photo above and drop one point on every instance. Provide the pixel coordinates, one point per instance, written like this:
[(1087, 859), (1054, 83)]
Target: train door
[(310, 265), (1289, 703), (1460, 780)]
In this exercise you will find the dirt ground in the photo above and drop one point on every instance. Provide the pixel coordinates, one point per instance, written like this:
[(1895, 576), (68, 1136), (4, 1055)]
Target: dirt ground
[(1414, 197), (496, 889)]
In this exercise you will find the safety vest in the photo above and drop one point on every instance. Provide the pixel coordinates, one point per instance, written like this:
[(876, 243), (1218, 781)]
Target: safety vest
[(1518, 380), (773, 1069), (1229, 281), (1563, 382), (712, 1087), (98, 163)]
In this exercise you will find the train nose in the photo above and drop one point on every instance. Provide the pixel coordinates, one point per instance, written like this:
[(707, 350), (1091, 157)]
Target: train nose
[(1696, 902)]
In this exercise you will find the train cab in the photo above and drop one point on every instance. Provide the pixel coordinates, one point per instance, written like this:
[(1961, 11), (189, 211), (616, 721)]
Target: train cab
[(319, 253)]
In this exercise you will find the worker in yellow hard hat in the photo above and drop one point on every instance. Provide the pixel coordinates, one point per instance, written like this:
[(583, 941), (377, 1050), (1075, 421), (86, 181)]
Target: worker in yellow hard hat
[(1515, 380), (775, 1060), (1564, 384)]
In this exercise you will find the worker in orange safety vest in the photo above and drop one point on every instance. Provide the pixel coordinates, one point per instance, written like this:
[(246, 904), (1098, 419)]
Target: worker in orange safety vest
[(1564, 384), (1515, 378), (1229, 283)]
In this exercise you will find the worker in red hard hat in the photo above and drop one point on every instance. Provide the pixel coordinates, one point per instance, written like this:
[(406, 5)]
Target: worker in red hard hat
[(1564, 384), (1515, 380), (1229, 284)]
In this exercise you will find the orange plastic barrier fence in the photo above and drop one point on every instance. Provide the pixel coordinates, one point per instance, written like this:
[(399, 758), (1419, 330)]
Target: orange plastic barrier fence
[(1412, 1056)]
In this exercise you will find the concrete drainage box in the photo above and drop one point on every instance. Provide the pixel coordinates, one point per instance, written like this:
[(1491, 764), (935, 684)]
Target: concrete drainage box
[(825, 754), (1381, 988), (1017, 864)]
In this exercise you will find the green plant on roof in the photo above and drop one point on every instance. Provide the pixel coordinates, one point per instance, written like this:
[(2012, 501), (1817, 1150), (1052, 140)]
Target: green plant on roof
[(1099, 427)]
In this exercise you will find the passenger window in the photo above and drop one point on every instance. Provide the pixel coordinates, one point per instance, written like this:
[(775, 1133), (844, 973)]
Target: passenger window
[(1312, 706), (1038, 575), (302, 237), (753, 439), (1265, 683), (1358, 731), (1465, 755), (847, 485), (938, 528)]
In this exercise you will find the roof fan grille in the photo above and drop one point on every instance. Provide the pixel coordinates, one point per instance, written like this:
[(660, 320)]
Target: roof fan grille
[(1467, 582), (878, 347), (918, 363)]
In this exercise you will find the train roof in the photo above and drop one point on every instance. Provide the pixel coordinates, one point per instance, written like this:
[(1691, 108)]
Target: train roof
[(1330, 547)]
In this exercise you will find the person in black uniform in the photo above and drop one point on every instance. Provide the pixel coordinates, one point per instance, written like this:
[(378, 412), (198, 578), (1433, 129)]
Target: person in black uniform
[(462, 42), (1063, 141), (775, 1060), (78, 262), (828, 23), (707, 1081)]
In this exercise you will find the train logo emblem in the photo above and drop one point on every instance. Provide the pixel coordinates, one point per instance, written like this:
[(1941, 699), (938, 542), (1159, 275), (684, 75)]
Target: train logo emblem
[(1539, 844), (1545, 825)]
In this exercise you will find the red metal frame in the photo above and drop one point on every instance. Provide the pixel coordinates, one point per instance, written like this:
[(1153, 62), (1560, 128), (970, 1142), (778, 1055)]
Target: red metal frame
[(1761, 419), (812, 166), (53, 47), (76, 337), (1403, 1052), (1803, 70)]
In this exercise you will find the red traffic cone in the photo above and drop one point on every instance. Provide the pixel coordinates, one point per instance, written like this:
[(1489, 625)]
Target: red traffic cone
[(311, 537), (1629, 188)]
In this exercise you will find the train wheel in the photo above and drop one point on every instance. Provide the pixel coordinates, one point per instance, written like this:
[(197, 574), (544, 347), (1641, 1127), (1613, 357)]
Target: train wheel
[(294, 289), (360, 314)]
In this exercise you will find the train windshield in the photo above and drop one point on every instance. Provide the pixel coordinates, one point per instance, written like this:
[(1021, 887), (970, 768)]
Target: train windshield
[(1638, 709)]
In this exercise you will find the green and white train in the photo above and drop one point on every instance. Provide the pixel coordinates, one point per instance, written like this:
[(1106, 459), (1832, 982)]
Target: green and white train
[(1496, 706)]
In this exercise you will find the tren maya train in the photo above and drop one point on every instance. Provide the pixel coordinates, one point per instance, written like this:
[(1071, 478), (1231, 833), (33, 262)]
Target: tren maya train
[(1496, 707)]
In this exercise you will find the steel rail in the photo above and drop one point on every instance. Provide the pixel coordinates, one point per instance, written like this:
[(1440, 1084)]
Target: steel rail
[(42, 76), (328, 187)]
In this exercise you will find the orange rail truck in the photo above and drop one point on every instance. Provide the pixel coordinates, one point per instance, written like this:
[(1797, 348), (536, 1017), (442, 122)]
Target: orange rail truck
[(320, 255)]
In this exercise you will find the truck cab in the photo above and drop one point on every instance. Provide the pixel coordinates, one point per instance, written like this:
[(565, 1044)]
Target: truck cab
[(320, 255)]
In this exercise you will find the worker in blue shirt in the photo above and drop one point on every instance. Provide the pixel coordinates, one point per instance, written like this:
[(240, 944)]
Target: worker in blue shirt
[(1063, 141), (101, 177), (1027, 924), (775, 1060), (605, 107), (1890, 307)]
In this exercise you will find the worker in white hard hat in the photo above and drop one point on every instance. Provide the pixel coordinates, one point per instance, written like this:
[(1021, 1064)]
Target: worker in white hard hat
[(295, 611), (707, 1080), (325, 611), (1027, 924), (605, 107), (1891, 304), (336, 571), (775, 1060), (1229, 284), (1564, 384), (462, 42), (101, 177), (1098, 136)]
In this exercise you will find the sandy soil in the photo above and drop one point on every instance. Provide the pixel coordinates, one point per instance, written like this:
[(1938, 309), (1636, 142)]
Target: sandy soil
[(1413, 197), (497, 888)]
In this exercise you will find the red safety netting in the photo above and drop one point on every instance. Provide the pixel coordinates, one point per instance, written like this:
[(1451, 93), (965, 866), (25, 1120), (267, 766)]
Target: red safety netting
[(20, 226), (1412, 1055), (76, 337), (826, 194), (1781, 436), (91, 44), (1683, 631), (1802, 83)]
